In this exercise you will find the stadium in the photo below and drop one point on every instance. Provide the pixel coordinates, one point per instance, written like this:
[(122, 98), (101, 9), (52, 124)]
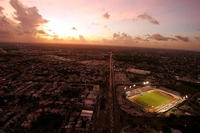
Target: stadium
[(151, 99)]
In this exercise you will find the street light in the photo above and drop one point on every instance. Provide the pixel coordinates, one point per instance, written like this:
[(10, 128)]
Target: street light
[(124, 88), (145, 83)]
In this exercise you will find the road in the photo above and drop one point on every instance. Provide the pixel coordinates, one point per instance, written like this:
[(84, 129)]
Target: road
[(105, 118), (114, 109), (111, 96)]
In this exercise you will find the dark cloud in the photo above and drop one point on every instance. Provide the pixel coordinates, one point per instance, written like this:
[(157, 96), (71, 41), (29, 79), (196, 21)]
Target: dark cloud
[(197, 38), (185, 39), (74, 28), (122, 37), (4, 21), (42, 32), (140, 39), (29, 18), (126, 39), (106, 15), (147, 17), (7, 27), (159, 37)]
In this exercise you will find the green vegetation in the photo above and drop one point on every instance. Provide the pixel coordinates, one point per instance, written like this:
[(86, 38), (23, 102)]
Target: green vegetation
[(152, 99)]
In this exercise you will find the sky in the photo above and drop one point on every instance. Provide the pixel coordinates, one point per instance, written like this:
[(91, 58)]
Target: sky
[(173, 24)]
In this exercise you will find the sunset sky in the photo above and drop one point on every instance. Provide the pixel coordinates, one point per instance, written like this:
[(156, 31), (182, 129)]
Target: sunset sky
[(143, 23)]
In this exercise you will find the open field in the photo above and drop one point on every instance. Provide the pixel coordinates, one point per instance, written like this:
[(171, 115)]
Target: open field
[(152, 99)]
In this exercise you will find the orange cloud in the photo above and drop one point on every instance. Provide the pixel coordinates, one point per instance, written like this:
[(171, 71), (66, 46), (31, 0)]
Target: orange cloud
[(42, 32), (74, 28), (106, 15), (7, 27), (1, 9)]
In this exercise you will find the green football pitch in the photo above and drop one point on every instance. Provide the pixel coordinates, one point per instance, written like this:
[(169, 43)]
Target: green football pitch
[(152, 99)]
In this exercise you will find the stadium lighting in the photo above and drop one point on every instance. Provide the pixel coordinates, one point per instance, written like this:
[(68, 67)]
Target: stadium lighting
[(145, 83)]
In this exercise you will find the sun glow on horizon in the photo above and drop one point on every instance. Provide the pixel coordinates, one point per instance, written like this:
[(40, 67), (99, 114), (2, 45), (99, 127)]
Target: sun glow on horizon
[(60, 29), (70, 31)]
